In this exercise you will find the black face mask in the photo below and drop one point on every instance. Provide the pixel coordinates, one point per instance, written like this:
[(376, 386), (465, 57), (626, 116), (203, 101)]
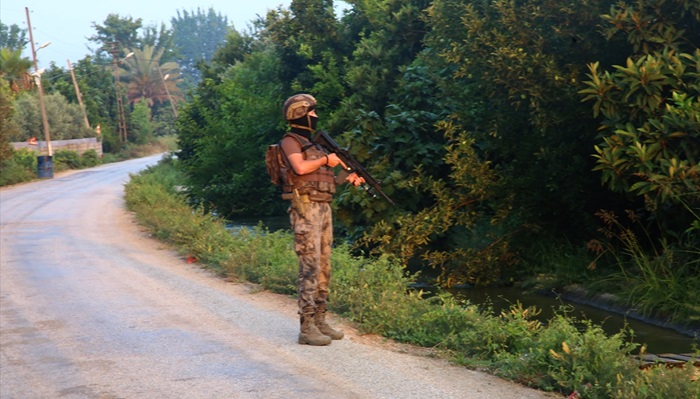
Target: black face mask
[(304, 126)]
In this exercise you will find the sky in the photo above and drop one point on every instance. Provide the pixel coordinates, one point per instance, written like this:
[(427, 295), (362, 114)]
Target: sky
[(68, 23)]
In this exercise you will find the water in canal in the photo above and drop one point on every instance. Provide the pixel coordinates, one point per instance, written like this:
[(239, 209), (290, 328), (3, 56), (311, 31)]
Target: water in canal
[(657, 339)]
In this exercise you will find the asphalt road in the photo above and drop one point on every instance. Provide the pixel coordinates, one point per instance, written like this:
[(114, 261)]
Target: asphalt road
[(91, 307)]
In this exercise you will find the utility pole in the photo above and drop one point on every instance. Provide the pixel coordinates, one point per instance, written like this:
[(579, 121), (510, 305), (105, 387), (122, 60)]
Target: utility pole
[(37, 79), (77, 93), (121, 118), (170, 98)]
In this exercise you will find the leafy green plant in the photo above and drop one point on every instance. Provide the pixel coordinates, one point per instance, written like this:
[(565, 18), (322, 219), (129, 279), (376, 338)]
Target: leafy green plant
[(66, 159), (660, 382), (650, 113), (589, 360), (89, 158), (20, 167), (568, 355), (264, 258), (457, 201)]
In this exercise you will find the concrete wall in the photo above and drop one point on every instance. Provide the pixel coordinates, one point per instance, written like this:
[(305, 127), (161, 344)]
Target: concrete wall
[(77, 145)]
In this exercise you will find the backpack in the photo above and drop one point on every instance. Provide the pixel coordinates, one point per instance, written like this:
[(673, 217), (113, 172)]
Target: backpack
[(276, 164)]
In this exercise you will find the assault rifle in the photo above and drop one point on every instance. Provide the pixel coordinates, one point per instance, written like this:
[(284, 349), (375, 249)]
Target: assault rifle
[(323, 139)]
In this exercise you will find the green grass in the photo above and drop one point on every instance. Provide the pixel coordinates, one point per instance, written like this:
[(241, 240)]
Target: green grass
[(374, 293), (659, 279)]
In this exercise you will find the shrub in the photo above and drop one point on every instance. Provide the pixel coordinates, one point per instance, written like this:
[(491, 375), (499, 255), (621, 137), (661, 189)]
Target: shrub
[(65, 159), (89, 159), (20, 167), (660, 382)]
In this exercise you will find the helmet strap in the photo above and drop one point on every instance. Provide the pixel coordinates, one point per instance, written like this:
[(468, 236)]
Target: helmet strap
[(308, 126), (301, 127)]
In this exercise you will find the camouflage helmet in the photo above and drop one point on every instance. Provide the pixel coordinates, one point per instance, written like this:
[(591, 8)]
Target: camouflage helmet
[(298, 106)]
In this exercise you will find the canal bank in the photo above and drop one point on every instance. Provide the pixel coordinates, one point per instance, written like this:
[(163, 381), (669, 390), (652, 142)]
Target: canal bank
[(658, 336)]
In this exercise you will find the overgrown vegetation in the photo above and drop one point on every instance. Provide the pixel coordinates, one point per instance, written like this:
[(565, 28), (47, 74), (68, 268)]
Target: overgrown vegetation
[(562, 355)]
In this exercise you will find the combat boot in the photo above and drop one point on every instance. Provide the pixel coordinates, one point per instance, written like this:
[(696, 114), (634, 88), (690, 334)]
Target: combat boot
[(310, 335), (323, 327)]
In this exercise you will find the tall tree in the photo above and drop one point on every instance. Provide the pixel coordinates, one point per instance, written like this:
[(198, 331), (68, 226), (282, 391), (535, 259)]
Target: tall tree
[(197, 36), (386, 113), (304, 35), (117, 33), (13, 37), (241, 116), (504, 78), (517, 68), (160, 38)]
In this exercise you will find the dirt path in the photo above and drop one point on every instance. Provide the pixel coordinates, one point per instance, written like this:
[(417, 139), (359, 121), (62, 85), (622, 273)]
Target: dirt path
[(91, 307)]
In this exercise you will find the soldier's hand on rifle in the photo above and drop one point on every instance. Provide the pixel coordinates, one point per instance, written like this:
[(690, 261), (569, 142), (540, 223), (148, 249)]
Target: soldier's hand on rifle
[(354, 179), (334, 160)]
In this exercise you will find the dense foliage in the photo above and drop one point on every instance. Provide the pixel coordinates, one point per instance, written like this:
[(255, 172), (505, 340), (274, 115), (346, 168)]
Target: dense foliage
[(500, 128)]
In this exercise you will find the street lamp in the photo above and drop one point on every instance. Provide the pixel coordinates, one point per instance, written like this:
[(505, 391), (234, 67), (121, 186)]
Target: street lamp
[(44, 164)]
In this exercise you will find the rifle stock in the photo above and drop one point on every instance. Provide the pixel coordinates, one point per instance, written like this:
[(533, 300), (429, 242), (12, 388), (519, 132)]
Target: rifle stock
[(323, 139)]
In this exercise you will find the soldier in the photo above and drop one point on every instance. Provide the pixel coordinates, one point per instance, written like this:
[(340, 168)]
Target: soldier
[(310, 184)]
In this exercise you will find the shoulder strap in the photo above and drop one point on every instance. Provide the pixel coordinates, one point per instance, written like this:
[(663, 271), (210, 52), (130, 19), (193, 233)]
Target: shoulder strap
[(303, 141), (284, 155)]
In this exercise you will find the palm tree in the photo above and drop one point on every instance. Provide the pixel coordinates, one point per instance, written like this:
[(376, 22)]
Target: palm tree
[(144, 75), (15, 69)]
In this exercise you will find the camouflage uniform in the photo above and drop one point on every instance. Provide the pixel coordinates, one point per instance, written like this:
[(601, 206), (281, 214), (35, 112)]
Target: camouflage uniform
[(310, 217), (313, 236)]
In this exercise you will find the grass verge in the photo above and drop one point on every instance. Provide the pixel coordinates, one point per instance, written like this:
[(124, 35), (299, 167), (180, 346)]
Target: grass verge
[(564, 355)]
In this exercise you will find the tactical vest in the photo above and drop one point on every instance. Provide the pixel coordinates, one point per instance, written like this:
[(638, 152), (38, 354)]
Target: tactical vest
[(318, 185)]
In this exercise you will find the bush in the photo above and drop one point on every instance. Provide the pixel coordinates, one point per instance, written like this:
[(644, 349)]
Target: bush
[(90, 159), (65, 159), (569, 355), (660, 382), (21, 167)]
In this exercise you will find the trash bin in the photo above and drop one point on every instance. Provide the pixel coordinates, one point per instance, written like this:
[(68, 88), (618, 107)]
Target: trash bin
[(45, 166)]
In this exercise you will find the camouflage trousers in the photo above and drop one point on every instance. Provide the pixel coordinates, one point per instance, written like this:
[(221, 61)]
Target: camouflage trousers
[(313, 236)]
